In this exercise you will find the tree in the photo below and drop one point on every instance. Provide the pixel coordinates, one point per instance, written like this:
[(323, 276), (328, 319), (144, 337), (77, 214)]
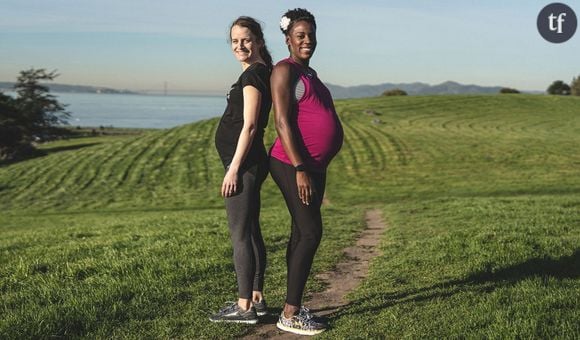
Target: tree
[(39, 111), (33, 113), (395, 92), (7, 110), (575, 86), (13, 139), (504, 90), (558, 87)]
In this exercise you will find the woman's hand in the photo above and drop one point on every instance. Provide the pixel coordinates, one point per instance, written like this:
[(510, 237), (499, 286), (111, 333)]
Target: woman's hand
[(230, 183), (305, 190)]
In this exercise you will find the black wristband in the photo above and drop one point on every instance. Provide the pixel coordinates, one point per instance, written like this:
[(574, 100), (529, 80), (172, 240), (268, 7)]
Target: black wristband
[(300, 167)]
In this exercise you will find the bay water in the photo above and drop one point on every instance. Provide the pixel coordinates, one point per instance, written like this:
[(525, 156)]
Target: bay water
[(139, 111)]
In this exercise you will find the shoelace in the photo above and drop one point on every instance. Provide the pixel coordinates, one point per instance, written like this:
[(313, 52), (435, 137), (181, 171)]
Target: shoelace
[(230, 306), (306, 313), (307, 321)]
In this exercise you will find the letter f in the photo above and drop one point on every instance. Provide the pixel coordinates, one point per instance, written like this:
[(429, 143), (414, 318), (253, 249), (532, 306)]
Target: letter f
[(560, 21)]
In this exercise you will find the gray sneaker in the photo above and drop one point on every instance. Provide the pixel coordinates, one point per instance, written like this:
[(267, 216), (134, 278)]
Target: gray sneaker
[(233, 313), (261, 307), (302, 323)]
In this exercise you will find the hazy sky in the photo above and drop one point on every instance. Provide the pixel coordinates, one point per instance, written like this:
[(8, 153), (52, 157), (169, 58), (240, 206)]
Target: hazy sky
[(141, 44)]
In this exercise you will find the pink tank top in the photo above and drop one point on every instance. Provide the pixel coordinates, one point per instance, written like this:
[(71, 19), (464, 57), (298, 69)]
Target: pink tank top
[(320, 133)]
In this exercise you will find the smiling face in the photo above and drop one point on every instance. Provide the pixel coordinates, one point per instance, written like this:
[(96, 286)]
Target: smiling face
[(301, 41), (245, 46)]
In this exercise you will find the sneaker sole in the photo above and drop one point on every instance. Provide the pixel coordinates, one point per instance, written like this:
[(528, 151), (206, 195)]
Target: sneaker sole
[(262, 313), (298, 331), (249, 322)]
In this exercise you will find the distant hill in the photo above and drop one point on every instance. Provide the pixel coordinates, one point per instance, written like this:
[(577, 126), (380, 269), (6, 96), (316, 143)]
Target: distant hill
[(63, 88), (448, 87), (338, 92)]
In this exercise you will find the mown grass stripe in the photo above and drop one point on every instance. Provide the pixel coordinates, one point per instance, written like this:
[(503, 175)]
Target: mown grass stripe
[(71, 179), (108, 169), (381, 145), (125, 166), (52, 175), (352, 147), (100, 163)]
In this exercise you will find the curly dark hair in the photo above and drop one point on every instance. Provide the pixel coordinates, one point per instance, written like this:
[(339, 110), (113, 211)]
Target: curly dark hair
[(298, 14)]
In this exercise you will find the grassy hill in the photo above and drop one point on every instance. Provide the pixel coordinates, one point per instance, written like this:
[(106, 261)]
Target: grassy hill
[(126, 237)]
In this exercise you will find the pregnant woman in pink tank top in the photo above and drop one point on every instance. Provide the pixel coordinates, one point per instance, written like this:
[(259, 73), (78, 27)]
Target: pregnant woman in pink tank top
[(309, 136)]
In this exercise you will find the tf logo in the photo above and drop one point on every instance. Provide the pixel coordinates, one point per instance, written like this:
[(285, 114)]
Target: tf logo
[(557, 23)]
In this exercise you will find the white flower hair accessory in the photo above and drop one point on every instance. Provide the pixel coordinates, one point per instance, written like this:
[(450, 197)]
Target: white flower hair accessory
[(284, 23)]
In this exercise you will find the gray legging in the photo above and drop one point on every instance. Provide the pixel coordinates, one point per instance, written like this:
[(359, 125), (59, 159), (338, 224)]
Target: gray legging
[(306, 229), (243, 210)]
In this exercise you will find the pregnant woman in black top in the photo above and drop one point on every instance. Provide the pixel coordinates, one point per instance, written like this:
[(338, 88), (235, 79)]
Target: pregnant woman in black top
[(239, 142)]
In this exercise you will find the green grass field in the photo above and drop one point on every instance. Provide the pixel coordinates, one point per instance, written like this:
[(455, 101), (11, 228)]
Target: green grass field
[(126, 237)]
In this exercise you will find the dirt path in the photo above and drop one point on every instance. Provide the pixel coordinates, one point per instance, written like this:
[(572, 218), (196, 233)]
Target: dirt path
[(346, 277)]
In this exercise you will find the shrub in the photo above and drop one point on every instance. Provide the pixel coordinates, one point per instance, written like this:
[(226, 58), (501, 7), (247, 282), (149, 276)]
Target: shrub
[(558, 87), (395, 92), (508, 90)]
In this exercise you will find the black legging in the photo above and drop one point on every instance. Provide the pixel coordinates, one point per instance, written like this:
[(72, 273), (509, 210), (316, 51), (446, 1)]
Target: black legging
[(306, 230), (243, 210)]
